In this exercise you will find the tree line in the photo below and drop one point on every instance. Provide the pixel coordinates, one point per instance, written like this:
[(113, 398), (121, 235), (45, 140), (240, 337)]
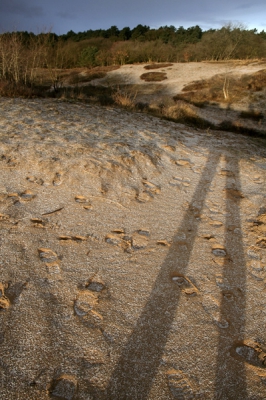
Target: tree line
[(22, 53)]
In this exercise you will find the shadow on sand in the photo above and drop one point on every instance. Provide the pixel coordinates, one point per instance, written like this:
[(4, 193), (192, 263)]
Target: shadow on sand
[(135, 371)]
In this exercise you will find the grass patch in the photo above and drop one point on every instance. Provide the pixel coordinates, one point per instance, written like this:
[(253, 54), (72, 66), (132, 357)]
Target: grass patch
[(212, 90), (124, 97), (181, 112), (158, 65), (12, 89), (87, 75), (153, 76)]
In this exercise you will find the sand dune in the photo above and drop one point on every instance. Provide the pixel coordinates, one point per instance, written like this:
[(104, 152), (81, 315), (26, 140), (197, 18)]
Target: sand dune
[(133, 257)]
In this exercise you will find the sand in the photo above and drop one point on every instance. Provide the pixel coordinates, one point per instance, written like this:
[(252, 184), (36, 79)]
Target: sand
[(133, 257)]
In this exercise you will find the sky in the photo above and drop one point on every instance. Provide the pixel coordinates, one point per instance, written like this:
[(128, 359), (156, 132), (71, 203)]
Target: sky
[(61, 16)]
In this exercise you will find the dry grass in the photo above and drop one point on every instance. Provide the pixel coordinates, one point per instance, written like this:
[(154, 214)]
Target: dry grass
[(180, 112), (87, 75), (124, 98), (83, 78), (211, 90), (158, 65), (153, 76), (8, 89)]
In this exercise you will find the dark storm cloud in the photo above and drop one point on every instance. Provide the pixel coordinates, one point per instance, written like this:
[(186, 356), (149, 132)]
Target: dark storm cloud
[(66, 15), (81, 15), (20, 8)]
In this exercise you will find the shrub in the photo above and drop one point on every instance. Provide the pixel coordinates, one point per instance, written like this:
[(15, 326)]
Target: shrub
[(153, 76), (124, 98)]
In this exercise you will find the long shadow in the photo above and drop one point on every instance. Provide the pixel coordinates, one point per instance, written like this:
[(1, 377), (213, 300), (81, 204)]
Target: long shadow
[(134, 373), (230, 374)]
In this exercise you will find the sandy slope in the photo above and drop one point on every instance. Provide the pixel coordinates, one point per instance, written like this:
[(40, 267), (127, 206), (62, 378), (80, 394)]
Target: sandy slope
[(133, 257), (178, 75)]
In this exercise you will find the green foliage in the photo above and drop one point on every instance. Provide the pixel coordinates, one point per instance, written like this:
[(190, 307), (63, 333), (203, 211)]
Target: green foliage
[(88, 57)]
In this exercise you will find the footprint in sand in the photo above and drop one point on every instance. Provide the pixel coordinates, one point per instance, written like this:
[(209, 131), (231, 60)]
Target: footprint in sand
[(38, 222), (33, 179), (150, 190), (27, 195), (84, 306), (251, 352), (76, 238), (180, 183), (120, 239), (222, 282), (179, 385), (184, 163), (47, 255), (143, 197), (57, 181), (216, 223), (95, 284), (212, 307), (64, 387), (144, 232), (84, 201), (163, 243), (114, 239), (139, 241), (184, 283), (254, 253), (85, 302), (52, 263), (256, 270), (258, 179), (218, 250), (13, 196), (54, 270), (80, 199)]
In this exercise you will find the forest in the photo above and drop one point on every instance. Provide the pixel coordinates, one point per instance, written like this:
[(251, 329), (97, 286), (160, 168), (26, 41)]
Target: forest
[(22, 53)]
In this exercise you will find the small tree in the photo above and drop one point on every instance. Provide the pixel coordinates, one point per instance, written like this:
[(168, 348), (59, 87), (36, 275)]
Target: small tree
[(88, 57)]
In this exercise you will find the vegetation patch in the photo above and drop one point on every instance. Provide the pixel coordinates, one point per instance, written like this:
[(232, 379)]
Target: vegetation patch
[(158, 65), (153, 76), (223, 88), (124, 98)]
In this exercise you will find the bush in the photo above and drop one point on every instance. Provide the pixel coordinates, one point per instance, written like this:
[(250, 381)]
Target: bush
[(87, 57), (153, 76), (124, 98)]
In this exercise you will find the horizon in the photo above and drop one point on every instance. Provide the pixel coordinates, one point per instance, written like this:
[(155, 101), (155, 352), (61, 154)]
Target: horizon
[(51, 31)]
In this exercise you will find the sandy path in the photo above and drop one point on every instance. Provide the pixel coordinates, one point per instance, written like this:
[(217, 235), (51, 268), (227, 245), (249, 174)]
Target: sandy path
[(132, 257)]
